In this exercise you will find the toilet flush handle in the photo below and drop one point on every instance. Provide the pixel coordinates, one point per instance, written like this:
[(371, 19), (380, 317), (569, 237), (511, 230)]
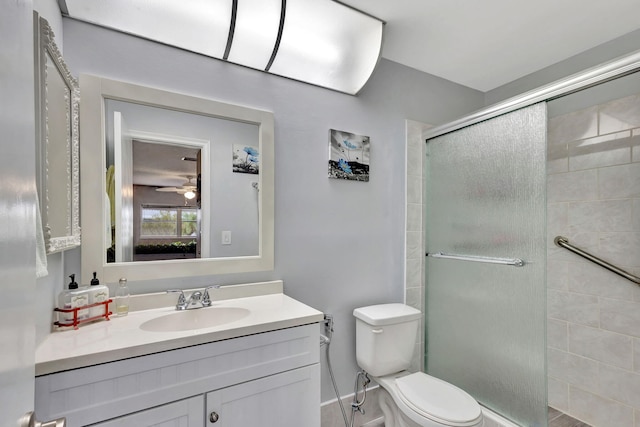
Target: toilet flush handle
[(377, 331)]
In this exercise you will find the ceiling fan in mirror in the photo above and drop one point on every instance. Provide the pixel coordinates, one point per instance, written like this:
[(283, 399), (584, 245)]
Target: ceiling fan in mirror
[(188, 188)]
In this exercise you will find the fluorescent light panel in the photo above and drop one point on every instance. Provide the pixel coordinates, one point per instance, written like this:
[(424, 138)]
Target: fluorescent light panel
[(197, 25), (256, 30), (328, 44), (323, 42)]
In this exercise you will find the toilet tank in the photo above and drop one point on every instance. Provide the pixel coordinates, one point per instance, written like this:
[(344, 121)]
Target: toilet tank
[(386, 336)]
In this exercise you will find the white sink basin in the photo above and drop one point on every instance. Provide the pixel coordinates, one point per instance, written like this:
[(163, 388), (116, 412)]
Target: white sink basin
[(194, 319)]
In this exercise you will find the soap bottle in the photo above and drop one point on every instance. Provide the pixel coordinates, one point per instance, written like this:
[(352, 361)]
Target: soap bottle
[(97, 293), (122, 298), (73, 297)]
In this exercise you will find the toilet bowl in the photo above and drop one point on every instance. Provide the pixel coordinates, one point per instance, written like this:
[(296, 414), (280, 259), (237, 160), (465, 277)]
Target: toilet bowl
[(385, 339), (417, 399)]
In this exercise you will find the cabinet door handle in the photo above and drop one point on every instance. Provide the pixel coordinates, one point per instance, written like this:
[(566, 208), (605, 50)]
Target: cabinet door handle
[(213, 417)]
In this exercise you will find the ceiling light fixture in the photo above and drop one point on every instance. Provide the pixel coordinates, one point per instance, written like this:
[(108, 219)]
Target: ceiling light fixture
[(322, 42), (189, 195)]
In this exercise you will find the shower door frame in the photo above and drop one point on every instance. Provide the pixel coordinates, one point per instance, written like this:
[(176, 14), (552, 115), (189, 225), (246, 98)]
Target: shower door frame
[(594, 76), (485, 202)]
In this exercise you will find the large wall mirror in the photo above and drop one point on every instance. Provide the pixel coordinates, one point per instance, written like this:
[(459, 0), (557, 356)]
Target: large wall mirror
[(173, 185), (57, 156)]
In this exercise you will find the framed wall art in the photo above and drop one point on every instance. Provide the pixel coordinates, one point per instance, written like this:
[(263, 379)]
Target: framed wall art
[(348, 156)]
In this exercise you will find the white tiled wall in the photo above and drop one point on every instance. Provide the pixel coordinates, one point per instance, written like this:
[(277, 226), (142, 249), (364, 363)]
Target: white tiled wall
[(415, 247), (594, 315)]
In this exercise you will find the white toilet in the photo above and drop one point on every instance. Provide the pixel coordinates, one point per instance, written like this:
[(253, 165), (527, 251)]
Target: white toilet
[(385, 341)]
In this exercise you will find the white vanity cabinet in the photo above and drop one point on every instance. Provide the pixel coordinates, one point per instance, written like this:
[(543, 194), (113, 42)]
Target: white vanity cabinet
[(184, 413), (270, 379), (274, 401)]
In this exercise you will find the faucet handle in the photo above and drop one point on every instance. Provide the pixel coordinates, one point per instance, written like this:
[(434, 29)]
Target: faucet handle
[(182, 302), (206, 299)]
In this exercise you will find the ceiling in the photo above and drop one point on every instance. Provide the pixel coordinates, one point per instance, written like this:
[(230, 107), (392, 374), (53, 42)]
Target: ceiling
[(485, 44), (161, 165)]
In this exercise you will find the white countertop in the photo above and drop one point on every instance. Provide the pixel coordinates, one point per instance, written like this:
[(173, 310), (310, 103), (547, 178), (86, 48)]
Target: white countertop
[(121, 337)]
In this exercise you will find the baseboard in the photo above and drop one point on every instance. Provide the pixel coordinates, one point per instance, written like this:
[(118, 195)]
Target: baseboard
[(331, 415), (378, 422)]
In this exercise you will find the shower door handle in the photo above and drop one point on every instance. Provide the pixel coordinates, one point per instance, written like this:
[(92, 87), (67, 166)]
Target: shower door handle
[(516, 262)]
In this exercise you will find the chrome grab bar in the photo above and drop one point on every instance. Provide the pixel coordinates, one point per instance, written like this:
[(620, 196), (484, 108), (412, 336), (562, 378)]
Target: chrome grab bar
[(564, 243), (516, 262)]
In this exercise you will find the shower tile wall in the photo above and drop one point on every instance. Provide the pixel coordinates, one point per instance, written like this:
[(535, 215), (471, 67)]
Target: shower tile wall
[(594, 315), (415, 247)]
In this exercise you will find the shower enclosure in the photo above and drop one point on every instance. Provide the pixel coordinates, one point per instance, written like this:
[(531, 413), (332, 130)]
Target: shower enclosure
[(515, 320)]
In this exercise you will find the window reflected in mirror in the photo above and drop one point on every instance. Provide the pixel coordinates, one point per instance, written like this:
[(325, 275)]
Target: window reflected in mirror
[(167, 232)]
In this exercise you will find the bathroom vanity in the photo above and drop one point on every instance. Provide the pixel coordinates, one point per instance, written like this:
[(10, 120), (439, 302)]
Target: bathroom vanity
[(256, 364)]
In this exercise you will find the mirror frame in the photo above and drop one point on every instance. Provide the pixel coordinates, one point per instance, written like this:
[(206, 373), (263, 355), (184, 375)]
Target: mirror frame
[(47, 176), (94, 91)]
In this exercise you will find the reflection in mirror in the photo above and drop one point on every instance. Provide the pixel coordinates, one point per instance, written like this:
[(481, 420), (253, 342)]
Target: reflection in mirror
[(173, 185), (57, 170), (145, 148), (167, 221)]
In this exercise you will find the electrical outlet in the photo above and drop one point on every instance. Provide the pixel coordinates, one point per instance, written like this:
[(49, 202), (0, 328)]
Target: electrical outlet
[(226, 237)]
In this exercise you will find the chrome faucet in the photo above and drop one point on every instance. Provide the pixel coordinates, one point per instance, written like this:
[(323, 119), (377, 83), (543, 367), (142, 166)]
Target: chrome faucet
[(206, 299), (197, 299), (182, 302)]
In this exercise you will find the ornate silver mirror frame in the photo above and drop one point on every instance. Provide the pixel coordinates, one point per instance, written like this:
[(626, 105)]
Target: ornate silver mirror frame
[(57, 98)]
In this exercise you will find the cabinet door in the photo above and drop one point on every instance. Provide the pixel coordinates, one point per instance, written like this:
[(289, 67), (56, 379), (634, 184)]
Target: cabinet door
[(183, 413), (288, 399)]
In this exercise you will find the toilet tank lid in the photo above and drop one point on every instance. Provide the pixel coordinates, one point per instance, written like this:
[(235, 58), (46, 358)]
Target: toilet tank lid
[(386, 314)]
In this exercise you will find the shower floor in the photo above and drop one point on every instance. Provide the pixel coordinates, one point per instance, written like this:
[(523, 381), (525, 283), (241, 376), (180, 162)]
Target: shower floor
[(558, 419)]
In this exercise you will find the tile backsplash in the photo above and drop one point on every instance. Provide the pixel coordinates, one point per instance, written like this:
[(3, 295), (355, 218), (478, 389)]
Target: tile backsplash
[(593, 324)]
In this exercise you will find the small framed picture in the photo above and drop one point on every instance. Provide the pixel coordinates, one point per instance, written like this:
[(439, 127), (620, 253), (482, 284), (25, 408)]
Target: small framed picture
[(246, 159), (348, 156)]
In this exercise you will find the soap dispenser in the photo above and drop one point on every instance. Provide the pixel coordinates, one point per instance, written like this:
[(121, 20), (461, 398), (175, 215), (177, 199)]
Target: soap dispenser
[(97, 293), (73, 297)]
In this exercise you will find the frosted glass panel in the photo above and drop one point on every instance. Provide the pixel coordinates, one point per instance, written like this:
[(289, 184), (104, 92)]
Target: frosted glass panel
[(485, 196), (256, 31), (328, 44), (197, 25)]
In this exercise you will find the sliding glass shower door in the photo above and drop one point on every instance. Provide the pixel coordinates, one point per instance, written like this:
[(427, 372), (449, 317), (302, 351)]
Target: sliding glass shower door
[(485, 211)]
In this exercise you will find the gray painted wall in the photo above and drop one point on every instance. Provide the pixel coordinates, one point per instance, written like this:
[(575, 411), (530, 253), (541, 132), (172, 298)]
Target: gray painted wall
[(314, 216), (605, 52), (50, 11), (338, 244)]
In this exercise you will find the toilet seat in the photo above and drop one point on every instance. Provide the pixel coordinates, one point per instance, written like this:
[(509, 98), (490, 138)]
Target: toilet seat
[(434, 399)]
